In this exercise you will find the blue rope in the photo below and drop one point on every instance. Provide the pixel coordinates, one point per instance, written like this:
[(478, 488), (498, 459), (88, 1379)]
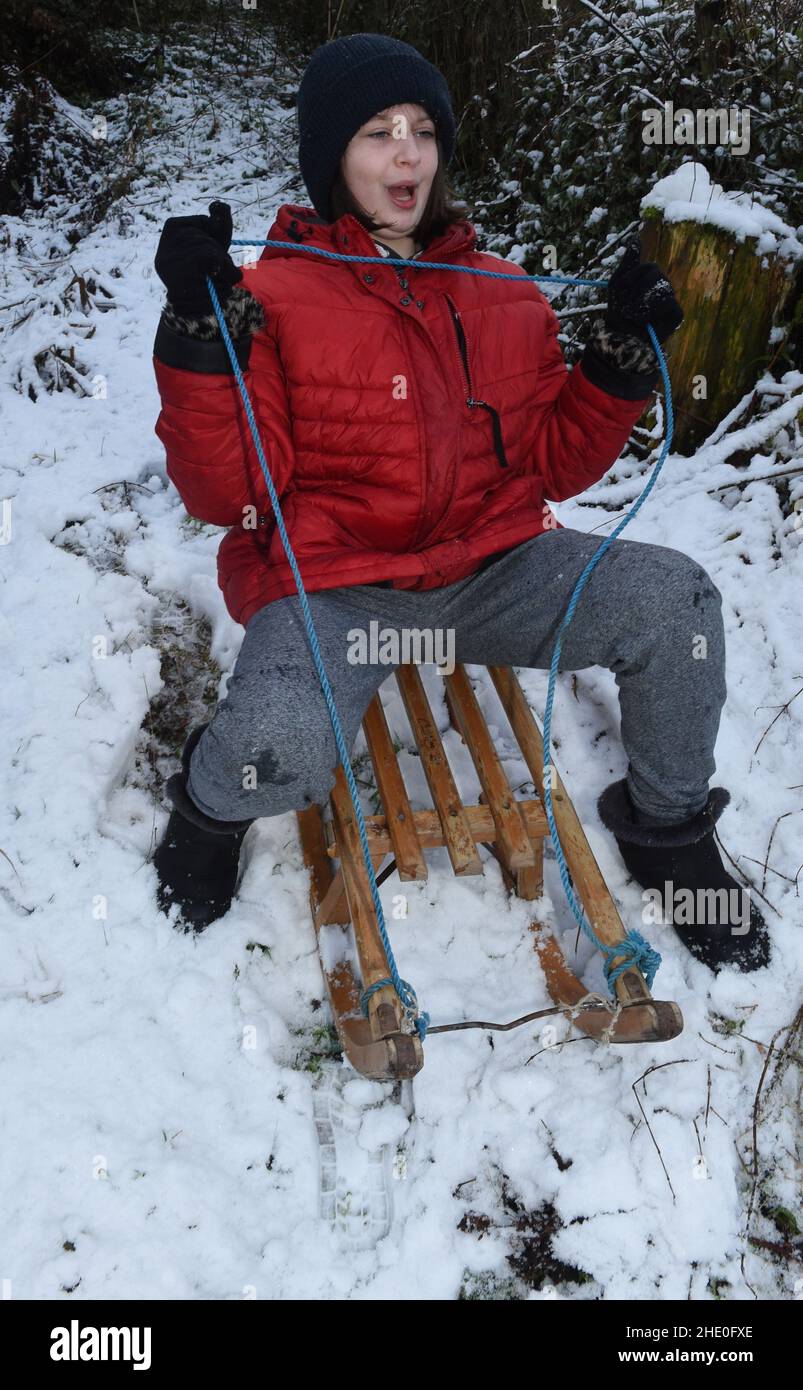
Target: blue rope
[(404, 991), (419, 265), (634, 950)]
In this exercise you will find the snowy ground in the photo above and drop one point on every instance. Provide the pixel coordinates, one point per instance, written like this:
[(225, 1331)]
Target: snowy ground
[(158, 1089)]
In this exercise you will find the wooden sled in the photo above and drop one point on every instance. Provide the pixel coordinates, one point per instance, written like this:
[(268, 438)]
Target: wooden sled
[(382, 1046)]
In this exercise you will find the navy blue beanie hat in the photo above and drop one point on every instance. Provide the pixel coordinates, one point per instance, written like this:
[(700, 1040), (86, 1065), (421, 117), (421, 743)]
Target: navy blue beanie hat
[(346, 82)]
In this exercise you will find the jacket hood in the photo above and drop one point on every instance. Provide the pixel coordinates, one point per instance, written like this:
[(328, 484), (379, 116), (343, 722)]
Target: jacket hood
[(295, 224)]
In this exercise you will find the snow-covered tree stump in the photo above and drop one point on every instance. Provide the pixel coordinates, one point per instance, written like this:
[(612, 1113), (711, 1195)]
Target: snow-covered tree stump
[(732, 295)]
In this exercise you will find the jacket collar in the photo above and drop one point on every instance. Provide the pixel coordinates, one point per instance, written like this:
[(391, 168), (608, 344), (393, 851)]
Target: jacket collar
[(299, 225)]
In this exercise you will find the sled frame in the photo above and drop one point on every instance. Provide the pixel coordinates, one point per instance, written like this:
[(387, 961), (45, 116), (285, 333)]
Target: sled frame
[(382, 1045)]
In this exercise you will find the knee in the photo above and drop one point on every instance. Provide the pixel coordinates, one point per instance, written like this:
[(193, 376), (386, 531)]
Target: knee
[(263, 771), (694, 622), (704, 592), (688, 580), (674, 607), (295, 773), (678, 589)]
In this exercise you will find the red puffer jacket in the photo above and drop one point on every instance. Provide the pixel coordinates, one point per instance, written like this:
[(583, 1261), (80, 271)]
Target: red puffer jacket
[(414, 421)]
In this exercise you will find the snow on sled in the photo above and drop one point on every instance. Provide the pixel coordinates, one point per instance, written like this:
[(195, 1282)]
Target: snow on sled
[(381, 1045)]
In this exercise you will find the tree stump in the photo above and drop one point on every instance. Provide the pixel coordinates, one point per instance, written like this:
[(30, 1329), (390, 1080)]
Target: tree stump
[(731, 296)]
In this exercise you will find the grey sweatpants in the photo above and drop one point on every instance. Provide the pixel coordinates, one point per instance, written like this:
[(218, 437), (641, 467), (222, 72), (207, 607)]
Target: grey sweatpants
[(648, 613)]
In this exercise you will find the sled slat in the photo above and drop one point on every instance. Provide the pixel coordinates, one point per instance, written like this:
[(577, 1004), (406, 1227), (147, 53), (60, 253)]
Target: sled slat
[(591, 886), (457, 833), (384, 1007), (511, 837), (527, 883), (430, 834), (334, 907), (410, 860), (327, 894)]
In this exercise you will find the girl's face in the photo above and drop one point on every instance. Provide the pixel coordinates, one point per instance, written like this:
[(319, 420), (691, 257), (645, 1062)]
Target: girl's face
[(395, 151)]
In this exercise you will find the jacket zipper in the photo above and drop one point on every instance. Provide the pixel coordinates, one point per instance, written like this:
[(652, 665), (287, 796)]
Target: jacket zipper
[(470, 401)]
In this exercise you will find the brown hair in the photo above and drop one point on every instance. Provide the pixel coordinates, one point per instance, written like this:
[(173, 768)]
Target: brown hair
[(441, 210)]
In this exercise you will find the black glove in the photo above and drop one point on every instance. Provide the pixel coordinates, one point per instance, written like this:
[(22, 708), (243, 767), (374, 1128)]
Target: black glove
[(190, 248), (640, 294)]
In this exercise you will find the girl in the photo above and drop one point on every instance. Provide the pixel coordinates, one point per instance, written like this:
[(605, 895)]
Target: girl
[(416, 426)]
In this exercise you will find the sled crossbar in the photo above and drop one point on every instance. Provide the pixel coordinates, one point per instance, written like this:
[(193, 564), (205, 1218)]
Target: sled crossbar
[(514, 830)]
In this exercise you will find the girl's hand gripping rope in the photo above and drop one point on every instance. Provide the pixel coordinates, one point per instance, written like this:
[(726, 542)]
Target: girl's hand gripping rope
[(190, 248), (639, 294)]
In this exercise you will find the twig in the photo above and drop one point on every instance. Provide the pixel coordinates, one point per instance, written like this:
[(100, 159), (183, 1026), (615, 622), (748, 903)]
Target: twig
[(787, 1251), (768, 867), (637, 49), (758, 478), (11, 862), (791, 1028), (553, 1048), (778, 715), (729, 1052), (793, 1032), (747, 880), (772, 833), (124, 483), (784, 1052), (784, 1028), (641, 1078)]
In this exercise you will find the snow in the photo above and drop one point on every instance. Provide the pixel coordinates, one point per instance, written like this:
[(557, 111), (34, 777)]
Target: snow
[(688, 195), (157, 1114)]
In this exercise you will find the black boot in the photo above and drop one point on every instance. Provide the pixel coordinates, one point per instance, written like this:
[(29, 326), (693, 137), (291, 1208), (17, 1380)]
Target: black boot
[(686, 856), (197, 858)]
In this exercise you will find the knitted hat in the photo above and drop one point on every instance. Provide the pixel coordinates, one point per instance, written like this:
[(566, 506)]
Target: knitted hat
[(346, 82)]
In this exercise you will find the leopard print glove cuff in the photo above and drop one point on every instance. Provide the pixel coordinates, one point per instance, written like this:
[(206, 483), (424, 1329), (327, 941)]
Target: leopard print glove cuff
[(625, 352), (243, 315)]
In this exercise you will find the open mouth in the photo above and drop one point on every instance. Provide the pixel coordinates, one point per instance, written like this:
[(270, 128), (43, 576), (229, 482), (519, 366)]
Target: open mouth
[(403, 194)]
